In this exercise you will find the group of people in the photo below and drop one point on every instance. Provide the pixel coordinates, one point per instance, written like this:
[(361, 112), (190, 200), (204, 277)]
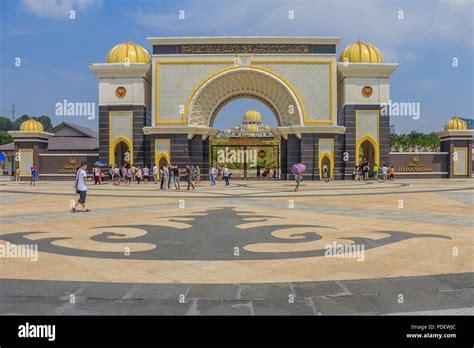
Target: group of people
[(128, 173), (364, 171), (168, 175)]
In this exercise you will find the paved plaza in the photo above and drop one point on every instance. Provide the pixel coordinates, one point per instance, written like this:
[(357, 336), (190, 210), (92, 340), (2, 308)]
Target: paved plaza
[(251, 248)]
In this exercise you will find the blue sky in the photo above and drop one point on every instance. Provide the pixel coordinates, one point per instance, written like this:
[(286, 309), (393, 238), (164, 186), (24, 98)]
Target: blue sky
[(55, 51)]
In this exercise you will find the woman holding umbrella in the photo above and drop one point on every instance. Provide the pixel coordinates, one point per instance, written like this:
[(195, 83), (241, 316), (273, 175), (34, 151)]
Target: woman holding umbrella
[(298, 169)]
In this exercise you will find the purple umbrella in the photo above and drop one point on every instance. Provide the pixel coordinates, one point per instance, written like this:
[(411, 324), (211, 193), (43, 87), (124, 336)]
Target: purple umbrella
[(298, 168)]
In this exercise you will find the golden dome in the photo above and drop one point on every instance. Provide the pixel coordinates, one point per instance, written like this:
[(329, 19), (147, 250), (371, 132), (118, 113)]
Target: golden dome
[(361, 52), (252, 128), (252, 116), (455, 124), (128, 52), (31, 125)]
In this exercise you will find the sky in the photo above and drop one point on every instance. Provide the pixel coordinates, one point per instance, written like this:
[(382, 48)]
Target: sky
[(45, 54)]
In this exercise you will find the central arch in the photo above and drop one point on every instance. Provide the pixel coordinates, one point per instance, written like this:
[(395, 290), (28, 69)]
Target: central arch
[(232, 83)]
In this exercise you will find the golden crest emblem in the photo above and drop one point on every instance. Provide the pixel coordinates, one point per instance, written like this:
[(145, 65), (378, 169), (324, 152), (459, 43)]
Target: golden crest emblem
[(121, 92), (415, 159), (367, 91), (72, 160)]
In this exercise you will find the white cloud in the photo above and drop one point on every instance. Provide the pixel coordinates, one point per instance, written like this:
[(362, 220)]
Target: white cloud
[(56, 8)]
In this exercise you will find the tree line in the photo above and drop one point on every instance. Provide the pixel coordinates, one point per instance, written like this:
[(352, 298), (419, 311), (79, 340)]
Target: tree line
[(415, 140)]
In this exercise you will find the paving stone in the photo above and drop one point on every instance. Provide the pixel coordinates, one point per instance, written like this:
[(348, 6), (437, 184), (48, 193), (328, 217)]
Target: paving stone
[(345, 305)]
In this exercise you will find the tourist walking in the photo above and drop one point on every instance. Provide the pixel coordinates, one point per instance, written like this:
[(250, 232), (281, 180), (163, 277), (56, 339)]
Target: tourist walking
[(116, 172), (212, 176), (18, 172), (392, 173), (226, 173), (365, 170), (155, 173), (384, 172), (176, 177), (376, 172), (169, 169), (139, 176), (162, 177), (124, 173), (357, 173), (166, 177), (146, 174), (81, 187), (298, 178), (198, 175), (189, 175), (96, 174), (33, 175), (219, 173), (129, 178)]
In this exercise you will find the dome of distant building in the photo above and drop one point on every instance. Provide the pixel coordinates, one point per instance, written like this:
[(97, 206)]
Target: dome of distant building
[(128, 52), (361, 52), (455, 124), (252, 116), (31, 125)]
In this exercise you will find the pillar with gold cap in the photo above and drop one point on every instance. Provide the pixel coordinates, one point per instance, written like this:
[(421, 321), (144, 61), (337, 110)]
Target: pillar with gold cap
[(456, 139), (363, 93), (124, 104), (29, 142)]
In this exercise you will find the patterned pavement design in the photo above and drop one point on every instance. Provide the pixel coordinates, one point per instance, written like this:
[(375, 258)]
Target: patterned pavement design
[(251, 248)]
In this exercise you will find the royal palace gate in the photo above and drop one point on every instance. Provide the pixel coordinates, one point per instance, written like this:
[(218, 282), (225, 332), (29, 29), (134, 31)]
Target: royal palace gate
[(161, 108)]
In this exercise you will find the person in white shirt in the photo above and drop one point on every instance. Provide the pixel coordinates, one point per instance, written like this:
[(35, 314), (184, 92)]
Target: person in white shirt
[(81, 187), (155, 173), (146, 174), (384, 172), (226, 175), (212, 176)]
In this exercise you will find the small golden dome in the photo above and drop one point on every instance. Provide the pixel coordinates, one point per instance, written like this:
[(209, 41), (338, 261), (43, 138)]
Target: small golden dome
[(455, 124), (252, 116), (31, 125), (252, 128), (128, 52), (361, 52)]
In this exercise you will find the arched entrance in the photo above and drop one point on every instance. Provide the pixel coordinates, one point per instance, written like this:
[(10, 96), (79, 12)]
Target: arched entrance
[(232, 83), (326, 169), (367, 149), (326, 166), (162, 161), (121, 153)]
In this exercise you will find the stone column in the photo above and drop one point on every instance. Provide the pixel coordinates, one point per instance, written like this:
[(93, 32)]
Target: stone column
[(307, 155)]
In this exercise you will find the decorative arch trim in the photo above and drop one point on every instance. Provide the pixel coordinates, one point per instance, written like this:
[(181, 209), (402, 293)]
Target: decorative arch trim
[(277, 77), (375, 145), (331, 161)]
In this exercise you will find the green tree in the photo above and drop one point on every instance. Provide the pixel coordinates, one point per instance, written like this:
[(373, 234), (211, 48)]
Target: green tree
[(5, 138), (6, 124)]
